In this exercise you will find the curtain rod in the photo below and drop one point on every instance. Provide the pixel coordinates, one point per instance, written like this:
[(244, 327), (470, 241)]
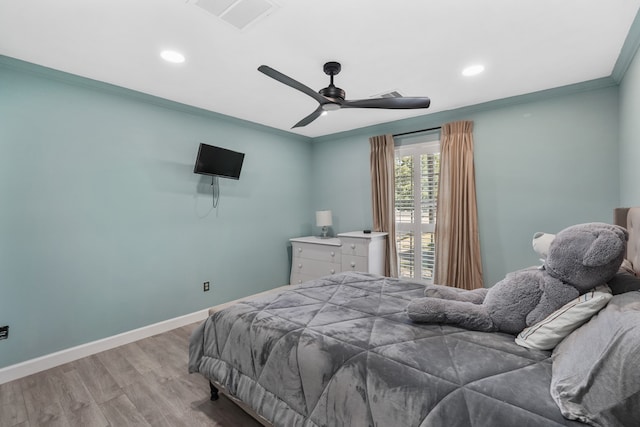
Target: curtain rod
[(416, 131)]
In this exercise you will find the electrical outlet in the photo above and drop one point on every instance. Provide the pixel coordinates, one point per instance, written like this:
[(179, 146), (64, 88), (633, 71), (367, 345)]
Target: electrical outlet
[(205, 286), (4, 332)]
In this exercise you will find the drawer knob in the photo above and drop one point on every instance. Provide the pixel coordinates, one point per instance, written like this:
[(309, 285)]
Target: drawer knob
[(332, 271), (299, 281), (353, 246), (299, 249), (353, 264), (299, 265), (333, 253)]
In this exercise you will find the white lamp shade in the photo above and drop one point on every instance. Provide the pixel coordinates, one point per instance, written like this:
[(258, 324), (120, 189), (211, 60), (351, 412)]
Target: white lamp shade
[(323, 218)]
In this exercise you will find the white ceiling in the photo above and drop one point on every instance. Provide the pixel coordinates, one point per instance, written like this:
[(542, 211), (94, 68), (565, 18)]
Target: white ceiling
[(418, 48)]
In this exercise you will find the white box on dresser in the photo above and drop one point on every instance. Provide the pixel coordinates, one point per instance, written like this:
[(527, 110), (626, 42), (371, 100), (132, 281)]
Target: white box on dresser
[(313, 257)]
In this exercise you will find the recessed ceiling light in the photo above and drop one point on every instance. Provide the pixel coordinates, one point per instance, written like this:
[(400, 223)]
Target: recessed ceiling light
[(172, 56), (473, 70)]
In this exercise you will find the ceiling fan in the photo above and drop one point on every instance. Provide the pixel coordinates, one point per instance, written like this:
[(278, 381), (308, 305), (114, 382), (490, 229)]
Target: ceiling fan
[(332, 98)]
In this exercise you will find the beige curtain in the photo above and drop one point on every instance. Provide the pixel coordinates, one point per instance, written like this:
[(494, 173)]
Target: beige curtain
[(383, 196), (458, 261)]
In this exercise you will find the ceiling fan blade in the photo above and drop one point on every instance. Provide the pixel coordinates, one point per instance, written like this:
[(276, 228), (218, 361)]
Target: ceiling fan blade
[(311, 117), (390, 103), (277, 75)]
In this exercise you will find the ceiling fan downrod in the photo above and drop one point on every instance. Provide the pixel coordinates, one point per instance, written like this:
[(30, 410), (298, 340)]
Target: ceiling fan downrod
[(332, 68)]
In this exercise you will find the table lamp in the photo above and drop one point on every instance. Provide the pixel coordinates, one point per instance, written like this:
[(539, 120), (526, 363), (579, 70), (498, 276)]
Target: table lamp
[(323, 219)]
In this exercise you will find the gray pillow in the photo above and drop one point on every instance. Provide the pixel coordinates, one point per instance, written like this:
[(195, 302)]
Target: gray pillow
[(624, 282), (595, 376)]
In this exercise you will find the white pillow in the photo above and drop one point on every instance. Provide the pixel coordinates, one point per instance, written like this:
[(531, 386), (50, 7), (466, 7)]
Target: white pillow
[(548, 332)]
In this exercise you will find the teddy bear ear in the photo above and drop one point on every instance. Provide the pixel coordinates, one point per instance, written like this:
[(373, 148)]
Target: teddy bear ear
[(607, 247), (541, 242)]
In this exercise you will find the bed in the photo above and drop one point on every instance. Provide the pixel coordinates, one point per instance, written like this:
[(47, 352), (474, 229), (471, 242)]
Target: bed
[(341, 351)]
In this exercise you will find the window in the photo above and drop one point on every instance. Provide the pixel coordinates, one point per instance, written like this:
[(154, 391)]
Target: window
[(417, 169)]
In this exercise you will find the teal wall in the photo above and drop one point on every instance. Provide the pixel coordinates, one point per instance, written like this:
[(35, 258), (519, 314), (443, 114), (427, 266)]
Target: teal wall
[(542, 163), (630, 135), (105, 228)]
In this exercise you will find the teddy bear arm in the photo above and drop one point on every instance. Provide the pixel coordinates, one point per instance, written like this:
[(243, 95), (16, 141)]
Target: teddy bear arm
[(475, 296), (555, 294), (465, 314)]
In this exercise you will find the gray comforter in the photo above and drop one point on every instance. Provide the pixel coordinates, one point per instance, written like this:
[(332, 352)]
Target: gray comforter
[(341, 351)]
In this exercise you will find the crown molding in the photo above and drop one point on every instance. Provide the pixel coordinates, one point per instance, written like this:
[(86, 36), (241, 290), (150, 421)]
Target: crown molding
[(628, 51)]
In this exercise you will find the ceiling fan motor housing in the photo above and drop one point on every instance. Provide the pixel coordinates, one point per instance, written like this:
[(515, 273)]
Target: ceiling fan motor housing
[(332, 92)]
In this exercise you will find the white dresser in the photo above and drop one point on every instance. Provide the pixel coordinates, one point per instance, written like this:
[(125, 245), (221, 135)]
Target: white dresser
[(313, 257)]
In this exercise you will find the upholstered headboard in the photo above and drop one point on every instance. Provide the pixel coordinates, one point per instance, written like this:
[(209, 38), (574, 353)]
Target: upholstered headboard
[(630, 218)]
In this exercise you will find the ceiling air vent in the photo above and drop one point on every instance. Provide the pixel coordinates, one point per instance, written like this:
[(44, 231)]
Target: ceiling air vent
[(239, 13)]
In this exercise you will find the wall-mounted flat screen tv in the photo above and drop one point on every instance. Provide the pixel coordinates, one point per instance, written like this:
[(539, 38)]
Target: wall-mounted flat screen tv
[(217, 161)]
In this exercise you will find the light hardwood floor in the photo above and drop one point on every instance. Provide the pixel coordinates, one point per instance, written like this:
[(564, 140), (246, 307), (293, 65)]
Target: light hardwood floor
[(144, 383)]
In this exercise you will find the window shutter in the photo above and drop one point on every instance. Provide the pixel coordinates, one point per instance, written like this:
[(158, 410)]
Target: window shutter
[(417, 171)]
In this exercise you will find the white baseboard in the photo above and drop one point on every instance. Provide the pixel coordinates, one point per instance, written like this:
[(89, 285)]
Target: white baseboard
[(29, 367)]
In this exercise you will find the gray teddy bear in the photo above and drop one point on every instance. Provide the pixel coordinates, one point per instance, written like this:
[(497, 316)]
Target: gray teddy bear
[(580, 258)]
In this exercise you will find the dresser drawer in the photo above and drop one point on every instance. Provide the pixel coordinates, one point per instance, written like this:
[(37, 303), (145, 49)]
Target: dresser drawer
[(355, 263), (316, 252), (314, 268), (298, 279), (358, 247)]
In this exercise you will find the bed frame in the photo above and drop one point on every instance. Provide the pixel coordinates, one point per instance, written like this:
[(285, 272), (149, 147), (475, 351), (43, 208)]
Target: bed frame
[(216, 389), (630, 219)]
